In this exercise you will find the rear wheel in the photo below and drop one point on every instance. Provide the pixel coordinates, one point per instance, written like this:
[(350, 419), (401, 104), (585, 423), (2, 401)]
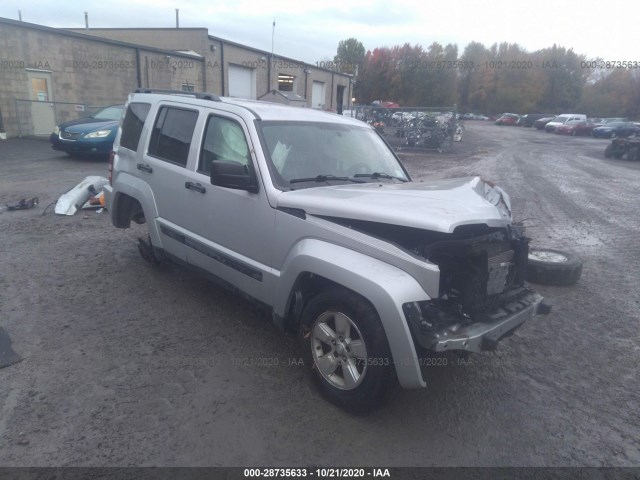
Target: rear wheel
[(633, 154), (344, 344)]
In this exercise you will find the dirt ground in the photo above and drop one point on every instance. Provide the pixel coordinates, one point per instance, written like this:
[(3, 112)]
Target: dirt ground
[(124, 364)]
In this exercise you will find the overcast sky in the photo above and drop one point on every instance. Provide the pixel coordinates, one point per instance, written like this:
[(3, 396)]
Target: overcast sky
[(310, 31)]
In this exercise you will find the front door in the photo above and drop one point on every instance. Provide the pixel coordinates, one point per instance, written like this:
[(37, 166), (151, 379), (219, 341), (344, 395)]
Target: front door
[(232, 230), (42, 112)]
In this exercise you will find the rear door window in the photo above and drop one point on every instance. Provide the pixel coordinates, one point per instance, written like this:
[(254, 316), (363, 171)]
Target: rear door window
[(172, 134)]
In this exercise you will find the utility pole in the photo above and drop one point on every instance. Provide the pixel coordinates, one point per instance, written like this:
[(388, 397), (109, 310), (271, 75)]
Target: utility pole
[(20, 15), (86, 20), (273, 33), (177, 18)]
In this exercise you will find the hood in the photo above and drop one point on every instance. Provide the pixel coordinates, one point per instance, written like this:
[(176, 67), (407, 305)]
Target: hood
[(437, 205), (87, 124)]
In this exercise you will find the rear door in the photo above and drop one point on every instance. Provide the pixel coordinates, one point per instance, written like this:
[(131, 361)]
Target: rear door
[(163, 167)]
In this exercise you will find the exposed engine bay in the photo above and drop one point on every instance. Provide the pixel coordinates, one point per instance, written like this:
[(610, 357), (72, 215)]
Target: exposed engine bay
[(478, 264), (476, 270)]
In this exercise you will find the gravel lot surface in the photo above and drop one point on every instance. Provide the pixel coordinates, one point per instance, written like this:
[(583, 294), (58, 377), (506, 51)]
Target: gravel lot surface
[(124, 364)]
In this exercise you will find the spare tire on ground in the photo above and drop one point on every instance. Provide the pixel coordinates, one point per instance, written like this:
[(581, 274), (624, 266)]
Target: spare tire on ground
[(553, 267)]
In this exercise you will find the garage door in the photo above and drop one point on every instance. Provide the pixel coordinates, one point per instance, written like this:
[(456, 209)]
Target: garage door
[(242, 82), (317, 95)]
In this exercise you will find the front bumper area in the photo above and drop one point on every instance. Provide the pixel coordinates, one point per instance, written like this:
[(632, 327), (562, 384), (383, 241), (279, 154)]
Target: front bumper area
[(520, 306), (85, 146)]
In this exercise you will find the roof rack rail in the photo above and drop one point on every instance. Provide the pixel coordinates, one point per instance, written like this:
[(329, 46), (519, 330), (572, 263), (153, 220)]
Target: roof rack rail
[(200, 95)]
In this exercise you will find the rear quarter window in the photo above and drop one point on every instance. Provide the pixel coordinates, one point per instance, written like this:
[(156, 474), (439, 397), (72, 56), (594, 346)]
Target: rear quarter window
[(132, 125)]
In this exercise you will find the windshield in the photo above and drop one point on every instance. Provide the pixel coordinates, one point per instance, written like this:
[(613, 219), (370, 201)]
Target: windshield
[(110, 113), (560, 119), (309, 150)]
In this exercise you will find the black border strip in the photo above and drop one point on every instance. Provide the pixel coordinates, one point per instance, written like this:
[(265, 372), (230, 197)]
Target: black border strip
[(414, 473)]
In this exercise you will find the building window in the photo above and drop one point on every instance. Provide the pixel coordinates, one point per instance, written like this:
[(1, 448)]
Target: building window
[(285, 82), (188, 87)]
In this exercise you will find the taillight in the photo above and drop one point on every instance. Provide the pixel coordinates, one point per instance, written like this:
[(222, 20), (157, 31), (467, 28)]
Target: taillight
[(112, 155)]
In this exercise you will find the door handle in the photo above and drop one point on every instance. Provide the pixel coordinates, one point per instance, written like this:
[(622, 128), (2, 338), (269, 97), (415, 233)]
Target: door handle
[(195, 186), (145, 168)]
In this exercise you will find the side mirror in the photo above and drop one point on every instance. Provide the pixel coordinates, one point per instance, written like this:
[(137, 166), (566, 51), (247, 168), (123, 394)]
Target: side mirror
[(233, 175)]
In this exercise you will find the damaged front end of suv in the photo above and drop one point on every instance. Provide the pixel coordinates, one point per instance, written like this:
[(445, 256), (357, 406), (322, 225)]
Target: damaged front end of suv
[(482, 295)]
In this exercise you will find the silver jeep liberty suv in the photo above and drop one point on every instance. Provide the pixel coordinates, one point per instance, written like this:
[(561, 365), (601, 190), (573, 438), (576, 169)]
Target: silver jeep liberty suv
[(313, 216)]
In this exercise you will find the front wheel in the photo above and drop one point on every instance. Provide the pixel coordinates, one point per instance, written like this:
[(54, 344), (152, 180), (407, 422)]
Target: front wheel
[(344, 344)]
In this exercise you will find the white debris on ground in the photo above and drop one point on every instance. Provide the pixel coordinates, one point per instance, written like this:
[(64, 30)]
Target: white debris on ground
[(77, 198)]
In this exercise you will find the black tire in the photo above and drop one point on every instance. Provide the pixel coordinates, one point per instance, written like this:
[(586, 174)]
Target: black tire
[(553, 267), (378, 378), (633, 154), (608, 152)]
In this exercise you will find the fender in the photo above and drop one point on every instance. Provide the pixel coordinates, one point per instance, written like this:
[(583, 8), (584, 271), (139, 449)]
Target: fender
[(140, 190), (384, 285)]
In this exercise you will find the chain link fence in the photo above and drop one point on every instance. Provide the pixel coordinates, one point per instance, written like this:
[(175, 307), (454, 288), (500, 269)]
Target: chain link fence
[(414, 128), (40, 118)]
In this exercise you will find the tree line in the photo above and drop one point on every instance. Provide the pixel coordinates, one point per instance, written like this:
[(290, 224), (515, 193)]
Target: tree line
[(501, 78)]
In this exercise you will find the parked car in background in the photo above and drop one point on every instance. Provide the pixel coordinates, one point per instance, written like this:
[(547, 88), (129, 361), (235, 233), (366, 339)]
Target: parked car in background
[(473, 116), (577, 127), (508, 119), (562, 119), (92, 135), (616, 129), (605, 121), (528, 119), (540, 124)]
